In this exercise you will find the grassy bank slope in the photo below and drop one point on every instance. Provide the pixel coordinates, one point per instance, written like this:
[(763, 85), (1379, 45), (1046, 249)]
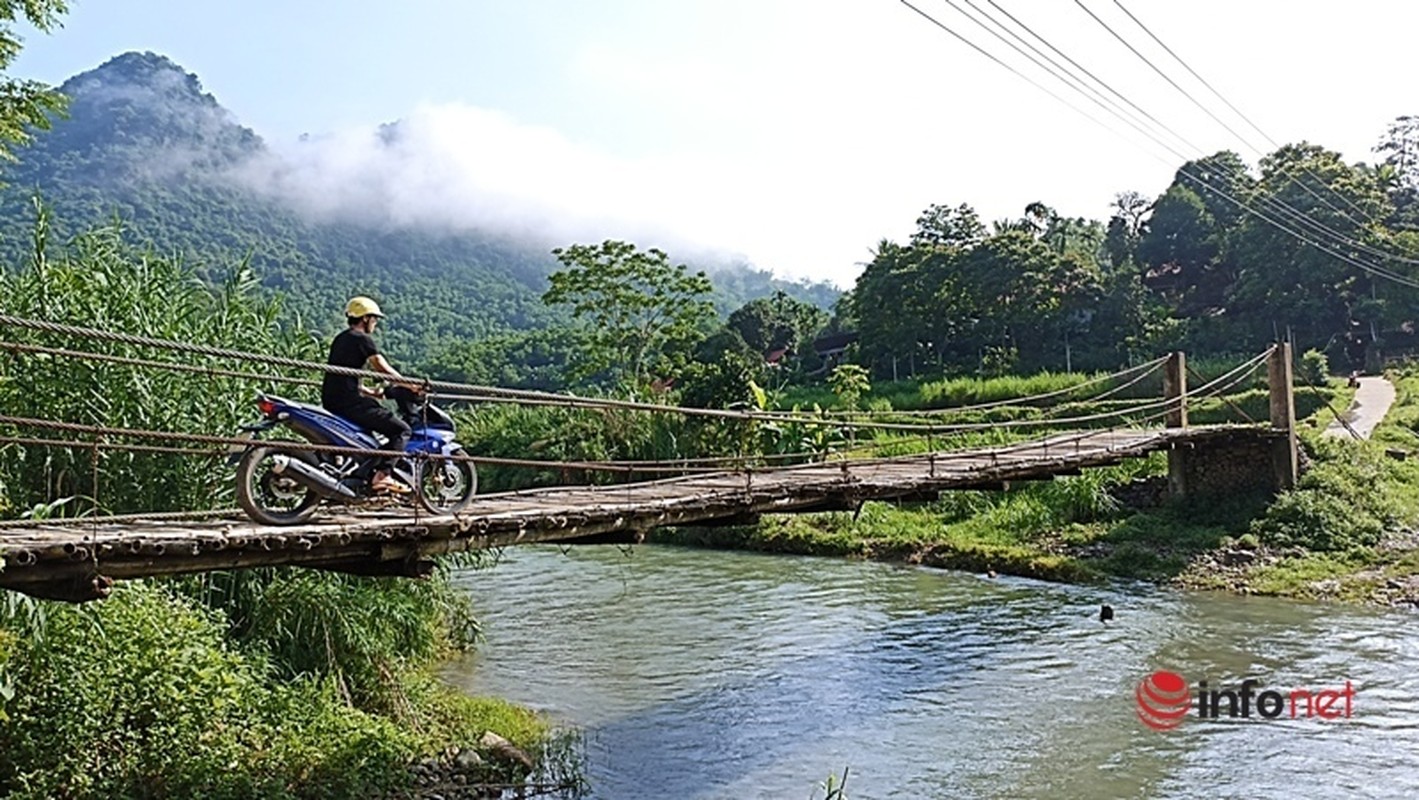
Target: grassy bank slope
[(1346, 532)]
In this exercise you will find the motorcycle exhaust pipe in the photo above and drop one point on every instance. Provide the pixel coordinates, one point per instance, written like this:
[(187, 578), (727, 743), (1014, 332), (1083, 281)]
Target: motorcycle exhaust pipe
[(310, 477)]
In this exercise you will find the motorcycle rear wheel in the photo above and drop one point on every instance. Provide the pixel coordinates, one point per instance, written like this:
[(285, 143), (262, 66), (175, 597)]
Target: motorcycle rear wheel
[(271, 499), (445, 486)]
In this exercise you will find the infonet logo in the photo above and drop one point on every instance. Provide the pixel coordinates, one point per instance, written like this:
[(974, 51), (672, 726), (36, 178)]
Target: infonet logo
[(1164, 700)]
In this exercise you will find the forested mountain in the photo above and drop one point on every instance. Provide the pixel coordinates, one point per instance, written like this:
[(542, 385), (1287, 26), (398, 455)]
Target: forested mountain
[(143, 143)]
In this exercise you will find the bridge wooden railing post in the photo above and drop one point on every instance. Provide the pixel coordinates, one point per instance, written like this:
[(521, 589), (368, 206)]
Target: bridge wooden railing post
[(1284, 461), (1175, 393), (1175, 389)]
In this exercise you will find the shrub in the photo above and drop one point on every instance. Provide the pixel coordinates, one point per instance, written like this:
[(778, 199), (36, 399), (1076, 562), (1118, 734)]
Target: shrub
[(140, 696), (1314, 368), (1346, 501)]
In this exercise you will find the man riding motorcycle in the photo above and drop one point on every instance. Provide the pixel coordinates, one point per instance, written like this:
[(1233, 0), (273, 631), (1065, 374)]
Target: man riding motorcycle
[(345, 396)]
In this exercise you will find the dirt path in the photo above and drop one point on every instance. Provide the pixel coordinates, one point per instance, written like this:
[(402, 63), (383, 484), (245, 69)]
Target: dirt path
[(1372, 402)]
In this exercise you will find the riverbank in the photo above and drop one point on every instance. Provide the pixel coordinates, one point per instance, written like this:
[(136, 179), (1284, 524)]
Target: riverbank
[(1348, 532), (258, 684)]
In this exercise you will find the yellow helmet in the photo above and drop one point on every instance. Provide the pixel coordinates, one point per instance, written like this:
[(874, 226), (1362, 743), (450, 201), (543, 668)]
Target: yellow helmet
[(362, 307)]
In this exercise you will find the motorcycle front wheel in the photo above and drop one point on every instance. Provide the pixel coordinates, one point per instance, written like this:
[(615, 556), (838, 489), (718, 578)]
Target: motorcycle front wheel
[(445, 485), (269, 498)]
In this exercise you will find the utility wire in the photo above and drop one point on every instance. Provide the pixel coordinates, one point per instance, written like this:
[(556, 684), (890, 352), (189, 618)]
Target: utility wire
[(1302, 218), (1233, 108), (1006, 66), (1089, 92), (1278, 207), (1155, 68), (1080, 67)]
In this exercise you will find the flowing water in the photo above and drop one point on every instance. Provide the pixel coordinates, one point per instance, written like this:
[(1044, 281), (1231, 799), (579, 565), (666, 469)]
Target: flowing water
[(711, 674)]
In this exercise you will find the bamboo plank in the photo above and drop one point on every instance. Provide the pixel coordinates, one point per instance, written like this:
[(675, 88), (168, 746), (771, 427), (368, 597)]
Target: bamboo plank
[(52, 558)]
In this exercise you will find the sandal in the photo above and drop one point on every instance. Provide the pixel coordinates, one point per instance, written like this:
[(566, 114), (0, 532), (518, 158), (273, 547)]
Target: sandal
[(382, 484)]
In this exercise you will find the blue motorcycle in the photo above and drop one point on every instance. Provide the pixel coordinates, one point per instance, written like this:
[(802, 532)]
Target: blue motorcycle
[(282, 485)]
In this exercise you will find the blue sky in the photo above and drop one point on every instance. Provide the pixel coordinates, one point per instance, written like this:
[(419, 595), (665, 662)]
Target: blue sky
[(795, 134)]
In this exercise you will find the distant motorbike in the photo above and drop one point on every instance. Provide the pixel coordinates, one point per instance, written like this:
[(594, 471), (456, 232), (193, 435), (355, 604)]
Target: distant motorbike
[(284, 485)]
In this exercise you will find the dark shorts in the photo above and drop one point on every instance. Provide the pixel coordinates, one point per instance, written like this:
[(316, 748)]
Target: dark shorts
[(369, 414)]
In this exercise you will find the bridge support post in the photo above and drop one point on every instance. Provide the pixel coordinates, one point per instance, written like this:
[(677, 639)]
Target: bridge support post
[(1175, 393), (1284, 460)]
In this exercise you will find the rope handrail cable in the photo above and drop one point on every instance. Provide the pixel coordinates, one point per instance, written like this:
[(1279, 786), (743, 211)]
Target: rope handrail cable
[(569, 401), (19, 347), (1145, 368), (74, 427), (1228, 400), (672, 466)]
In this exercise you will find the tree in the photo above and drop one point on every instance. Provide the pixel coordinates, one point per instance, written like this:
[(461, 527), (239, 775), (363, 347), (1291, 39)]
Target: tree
[(849, 382), (1286, 282), (640, 310), (780, 321), (1180, 250), (1400, 144), (907, 302), (1028, 296), (943, 226), (1125, 229), (1223, 183), (24, 105), (1398, 174)]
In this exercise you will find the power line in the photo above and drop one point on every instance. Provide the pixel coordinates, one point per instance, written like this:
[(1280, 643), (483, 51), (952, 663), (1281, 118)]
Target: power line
[(1155, 68), (1004, 65), (1311, 222), (1219, 95), (1079, 67), (1279, 207), (1096, 97)]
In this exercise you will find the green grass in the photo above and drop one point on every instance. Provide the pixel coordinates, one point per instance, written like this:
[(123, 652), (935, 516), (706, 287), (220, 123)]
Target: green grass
[(1067, 529), (1326, 538)]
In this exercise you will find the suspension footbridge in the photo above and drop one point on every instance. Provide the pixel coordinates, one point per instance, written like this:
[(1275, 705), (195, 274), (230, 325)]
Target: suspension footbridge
[(79, 558)]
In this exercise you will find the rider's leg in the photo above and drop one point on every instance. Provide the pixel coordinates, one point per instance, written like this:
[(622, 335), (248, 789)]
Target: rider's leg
[(375, 417)]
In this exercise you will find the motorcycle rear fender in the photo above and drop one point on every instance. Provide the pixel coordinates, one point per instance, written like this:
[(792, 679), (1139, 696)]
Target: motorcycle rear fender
[(248, 432)]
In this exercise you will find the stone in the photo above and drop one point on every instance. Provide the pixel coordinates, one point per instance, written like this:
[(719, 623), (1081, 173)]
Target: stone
[(468, 759), (1238, 557), (503, 749)]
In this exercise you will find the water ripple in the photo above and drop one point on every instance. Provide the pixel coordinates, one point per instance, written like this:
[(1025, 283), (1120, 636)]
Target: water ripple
[(704, 674)]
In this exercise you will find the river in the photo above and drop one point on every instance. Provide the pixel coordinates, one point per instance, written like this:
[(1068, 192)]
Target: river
[(712, 674)]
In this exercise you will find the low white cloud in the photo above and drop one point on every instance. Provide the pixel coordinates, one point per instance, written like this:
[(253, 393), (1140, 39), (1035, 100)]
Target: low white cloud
[(456, 167)]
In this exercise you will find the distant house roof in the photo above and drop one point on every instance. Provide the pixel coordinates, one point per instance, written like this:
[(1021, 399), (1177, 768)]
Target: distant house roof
[(833, 343), (775, 356)]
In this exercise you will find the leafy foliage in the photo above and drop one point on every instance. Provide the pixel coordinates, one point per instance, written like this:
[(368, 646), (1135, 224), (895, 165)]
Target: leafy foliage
[(849, 382), (140, 696), (95, 280), (1347, 500), (25, 106), (642, 312)]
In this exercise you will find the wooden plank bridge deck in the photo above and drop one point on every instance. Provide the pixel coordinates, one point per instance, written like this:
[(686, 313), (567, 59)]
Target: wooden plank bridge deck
[(74, 560)]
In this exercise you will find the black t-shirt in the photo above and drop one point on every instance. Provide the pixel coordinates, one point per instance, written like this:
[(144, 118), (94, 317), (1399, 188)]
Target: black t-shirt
[(352, 348)]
